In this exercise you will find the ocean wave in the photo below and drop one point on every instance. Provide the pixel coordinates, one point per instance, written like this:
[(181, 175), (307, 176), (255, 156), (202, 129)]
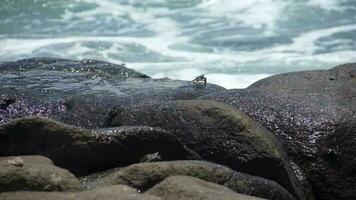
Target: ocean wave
[(236, 42)]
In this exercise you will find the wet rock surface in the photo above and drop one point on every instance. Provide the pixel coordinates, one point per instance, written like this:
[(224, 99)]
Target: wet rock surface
[(217, 132), (185, 187), (313, 114), (84, 151), (144, 176), (81, 93), (34, 173), (107, 193)]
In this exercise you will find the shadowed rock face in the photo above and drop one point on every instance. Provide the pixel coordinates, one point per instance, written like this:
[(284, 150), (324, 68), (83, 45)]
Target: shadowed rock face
[(185, 187), (144, 176), (83, 151), (313, 114), (107, 193), (35, 173), (81, 93), (217, 132)]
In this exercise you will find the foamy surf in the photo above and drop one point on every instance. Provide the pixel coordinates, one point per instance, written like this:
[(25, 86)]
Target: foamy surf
[(234, 43)]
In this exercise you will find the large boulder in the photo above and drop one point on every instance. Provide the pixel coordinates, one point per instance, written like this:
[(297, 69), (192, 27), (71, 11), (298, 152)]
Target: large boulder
[(190, 188), (217, 132), (92, 67), (115, 192), (81, 93), (34, 173), (84, 151), (313, 114), (144, 176)]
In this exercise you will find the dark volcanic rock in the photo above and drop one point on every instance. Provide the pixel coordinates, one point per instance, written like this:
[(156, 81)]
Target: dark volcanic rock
[(35, 173), (91, 67), (190, 188), (313, 114), (84, 151), (115, 192), (81, 93), (144, 176), (217, 132)]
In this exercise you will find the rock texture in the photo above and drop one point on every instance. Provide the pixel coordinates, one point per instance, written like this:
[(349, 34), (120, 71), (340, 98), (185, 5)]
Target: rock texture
[(313, 114), (81, 93), (35, 173), (189, 188), (84, 151), (144, 176), (217, 132), (107, 193)]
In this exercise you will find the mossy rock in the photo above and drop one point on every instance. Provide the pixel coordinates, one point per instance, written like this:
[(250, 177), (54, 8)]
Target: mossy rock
[(313, 114), (217, 132), (85, 151), (190, 188), (106, 193), (144, 176), (34, 173)]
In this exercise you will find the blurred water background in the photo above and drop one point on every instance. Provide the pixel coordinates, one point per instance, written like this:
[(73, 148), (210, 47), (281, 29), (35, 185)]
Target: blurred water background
[(233, 42)]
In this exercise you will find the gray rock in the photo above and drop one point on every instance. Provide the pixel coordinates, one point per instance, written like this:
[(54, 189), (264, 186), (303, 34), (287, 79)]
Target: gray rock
[(217, 132), (190, 188), (313, 114), (84, 151), (35, 173), (107, 193), (144, 176), (89, 66), (81, 93)]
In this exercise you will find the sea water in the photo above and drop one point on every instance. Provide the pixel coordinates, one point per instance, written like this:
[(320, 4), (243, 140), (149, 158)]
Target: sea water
[(233, 42)]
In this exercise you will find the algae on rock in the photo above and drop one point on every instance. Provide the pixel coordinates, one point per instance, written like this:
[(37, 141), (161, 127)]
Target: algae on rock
[(34, 173)]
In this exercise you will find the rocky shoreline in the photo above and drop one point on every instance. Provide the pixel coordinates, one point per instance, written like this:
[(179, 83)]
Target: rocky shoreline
[(90, 129)]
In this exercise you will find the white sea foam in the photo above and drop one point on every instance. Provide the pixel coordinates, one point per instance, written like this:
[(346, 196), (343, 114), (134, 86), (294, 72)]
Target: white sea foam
[(254, 13), (306, 42), (328, 5), (235, 81)]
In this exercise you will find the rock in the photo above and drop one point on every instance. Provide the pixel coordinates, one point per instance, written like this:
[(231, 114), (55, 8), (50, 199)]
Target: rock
[(144, 176), (313, 114), (217, 132), (34, 173), (89, 66), (256, 186), (107, 193), (84, 151), (94, 180), (81, 93), (185, 187)]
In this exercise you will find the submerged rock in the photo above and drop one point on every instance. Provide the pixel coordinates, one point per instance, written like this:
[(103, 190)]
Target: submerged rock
[(144, 176), (190, 188), (217, 132), (106, 193), (35, 173), (84, 151), (313, 114), (81, 93)]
